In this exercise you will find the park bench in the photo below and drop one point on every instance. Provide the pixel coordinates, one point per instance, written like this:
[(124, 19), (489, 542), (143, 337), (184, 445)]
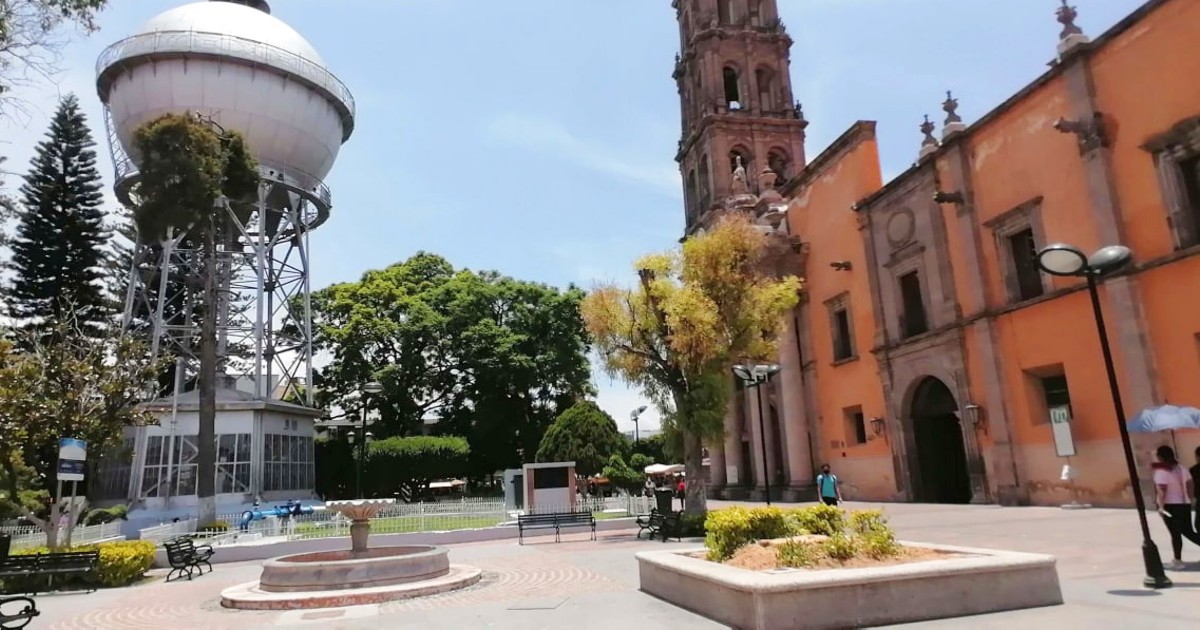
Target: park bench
[(17, 612), (665, 524), (185, 556), (49, 565), (556, 521)]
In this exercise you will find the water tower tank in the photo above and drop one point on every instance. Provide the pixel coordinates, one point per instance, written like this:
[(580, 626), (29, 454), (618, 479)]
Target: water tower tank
[(236, 62)]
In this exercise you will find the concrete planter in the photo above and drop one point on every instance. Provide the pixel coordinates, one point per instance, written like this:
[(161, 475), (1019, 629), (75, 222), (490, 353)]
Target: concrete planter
[(984, 581)]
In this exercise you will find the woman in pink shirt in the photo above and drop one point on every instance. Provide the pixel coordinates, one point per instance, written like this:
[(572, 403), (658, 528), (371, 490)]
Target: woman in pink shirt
[(1173, 489)]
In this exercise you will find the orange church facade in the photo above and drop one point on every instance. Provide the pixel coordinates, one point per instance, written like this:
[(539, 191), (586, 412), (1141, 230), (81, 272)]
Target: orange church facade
[(929, 352)]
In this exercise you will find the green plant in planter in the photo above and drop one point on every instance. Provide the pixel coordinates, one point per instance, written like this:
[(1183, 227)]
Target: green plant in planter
[(822, 520), (841, 547), (797, 554)]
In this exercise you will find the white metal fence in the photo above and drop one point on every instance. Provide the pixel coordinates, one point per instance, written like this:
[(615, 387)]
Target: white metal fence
[(467, 513), (27, 536)]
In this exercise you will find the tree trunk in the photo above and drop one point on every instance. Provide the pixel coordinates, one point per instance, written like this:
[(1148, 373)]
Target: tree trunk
[(206, 449), (696, 483)]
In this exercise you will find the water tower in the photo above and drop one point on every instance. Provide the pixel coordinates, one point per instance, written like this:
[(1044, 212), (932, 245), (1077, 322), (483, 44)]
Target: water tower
[(234, 63)]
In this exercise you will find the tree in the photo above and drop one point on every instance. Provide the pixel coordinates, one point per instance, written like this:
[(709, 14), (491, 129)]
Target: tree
[(407, 465), (192, 175), (65, 384), (654, 448), (29, 43), (486, 357), (58, 254), (693, 314), (627, 477), (584, 434)]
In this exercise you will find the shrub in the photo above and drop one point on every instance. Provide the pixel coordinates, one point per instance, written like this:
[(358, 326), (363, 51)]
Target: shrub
[(868, 521), (797, 554), (215, 527), (821, 519), (106, 515), (731, 528), (839, 546), (121, 563), (879, 543), (691, 526)]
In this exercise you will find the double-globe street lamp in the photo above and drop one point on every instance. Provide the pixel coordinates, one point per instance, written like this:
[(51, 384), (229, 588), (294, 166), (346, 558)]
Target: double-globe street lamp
[(369, 390), (755, 376), (1067, 260)]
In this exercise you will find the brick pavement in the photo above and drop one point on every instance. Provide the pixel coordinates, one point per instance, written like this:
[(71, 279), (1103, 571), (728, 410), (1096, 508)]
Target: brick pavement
[(582, 584)]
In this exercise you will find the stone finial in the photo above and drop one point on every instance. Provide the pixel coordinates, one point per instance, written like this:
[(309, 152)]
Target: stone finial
[(767, 179), (1066, 17), (1071, 35), (798, 113), (930, 143), (954, 122), (950, 106)]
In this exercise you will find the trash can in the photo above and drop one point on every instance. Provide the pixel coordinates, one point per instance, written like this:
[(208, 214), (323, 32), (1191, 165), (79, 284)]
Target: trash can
[(664, 499), (5, 542)]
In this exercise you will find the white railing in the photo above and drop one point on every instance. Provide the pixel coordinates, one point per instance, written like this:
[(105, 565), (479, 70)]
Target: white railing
[(82, 535), (167, 531), (454, 515)]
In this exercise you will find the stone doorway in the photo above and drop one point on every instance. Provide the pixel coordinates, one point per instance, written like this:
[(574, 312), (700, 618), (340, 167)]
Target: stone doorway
[(941, 474)]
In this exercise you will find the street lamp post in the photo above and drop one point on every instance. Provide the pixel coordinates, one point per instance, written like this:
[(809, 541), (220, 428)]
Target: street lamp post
[(370, 389), (755, 376), (635, 415), (1066, 260)]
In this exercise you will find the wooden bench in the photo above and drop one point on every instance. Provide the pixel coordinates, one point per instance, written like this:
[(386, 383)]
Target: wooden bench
[(50, 565), (17, 612), (556, 521), (185, 556), (665, 524)]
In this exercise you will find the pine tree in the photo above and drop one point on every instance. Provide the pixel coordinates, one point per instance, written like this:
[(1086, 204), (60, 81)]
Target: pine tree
[(59, 250)]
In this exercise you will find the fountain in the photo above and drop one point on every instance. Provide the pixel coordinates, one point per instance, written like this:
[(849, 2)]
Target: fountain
[(362, 575)]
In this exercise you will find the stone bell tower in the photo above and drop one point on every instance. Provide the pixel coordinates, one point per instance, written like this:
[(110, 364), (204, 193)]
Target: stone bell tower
[(739, 115)]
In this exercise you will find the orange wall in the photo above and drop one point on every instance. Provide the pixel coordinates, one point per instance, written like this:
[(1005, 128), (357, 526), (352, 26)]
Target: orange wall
[(1145, 82), (821, 213)]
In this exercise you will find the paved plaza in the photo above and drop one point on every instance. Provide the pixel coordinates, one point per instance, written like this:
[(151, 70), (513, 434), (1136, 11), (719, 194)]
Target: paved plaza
[(582, 584)]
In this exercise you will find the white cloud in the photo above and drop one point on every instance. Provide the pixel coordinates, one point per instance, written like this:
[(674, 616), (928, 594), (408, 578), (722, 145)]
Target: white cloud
[(552, 137)]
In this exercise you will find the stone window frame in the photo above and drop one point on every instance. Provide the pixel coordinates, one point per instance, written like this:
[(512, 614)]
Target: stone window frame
[(1039, 408), (841, 302), (908, 259), (1026, 216), (1169, 149)]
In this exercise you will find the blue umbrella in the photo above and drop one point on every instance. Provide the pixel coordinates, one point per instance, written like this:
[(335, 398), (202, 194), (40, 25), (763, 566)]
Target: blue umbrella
[(1165, 418)]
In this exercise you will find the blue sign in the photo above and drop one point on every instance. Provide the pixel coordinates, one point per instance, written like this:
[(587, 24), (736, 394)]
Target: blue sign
[(72, 456)]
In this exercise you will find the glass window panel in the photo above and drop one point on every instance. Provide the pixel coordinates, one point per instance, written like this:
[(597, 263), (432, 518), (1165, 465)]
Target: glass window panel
[(187, 479), (226, 448), (154, 450)]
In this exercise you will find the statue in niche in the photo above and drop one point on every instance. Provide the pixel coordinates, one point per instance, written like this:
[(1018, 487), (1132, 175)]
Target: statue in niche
[(740, 186)]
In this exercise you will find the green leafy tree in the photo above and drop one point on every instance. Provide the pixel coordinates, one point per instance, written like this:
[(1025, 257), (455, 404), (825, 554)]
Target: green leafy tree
[(407, 465), (584, 434), (29, 39), (66, 384), (486, 357), (694, 313), (624, 476), (654, 448), (59, 252), (192, 174)]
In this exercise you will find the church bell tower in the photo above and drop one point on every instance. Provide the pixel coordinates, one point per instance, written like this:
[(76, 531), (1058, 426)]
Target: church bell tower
[(737, 109)]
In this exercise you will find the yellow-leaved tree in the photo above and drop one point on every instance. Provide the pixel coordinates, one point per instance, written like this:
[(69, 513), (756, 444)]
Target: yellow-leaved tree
[(693, 314)]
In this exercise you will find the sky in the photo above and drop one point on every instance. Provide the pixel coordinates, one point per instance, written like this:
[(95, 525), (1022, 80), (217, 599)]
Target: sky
[(537, 137)]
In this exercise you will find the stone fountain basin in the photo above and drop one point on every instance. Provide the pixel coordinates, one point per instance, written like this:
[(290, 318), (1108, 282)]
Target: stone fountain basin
[(341, 570)]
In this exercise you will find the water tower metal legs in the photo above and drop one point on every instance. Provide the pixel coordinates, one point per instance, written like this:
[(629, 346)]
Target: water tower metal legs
[(264, 323)]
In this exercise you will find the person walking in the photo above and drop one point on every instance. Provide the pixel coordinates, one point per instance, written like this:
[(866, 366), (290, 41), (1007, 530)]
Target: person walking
[(1173, 491), (1195, 470), (681, 491), (828, 487)]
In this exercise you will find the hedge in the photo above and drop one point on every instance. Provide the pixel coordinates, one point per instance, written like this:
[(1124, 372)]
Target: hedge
[(121, 563), (730, 529)]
